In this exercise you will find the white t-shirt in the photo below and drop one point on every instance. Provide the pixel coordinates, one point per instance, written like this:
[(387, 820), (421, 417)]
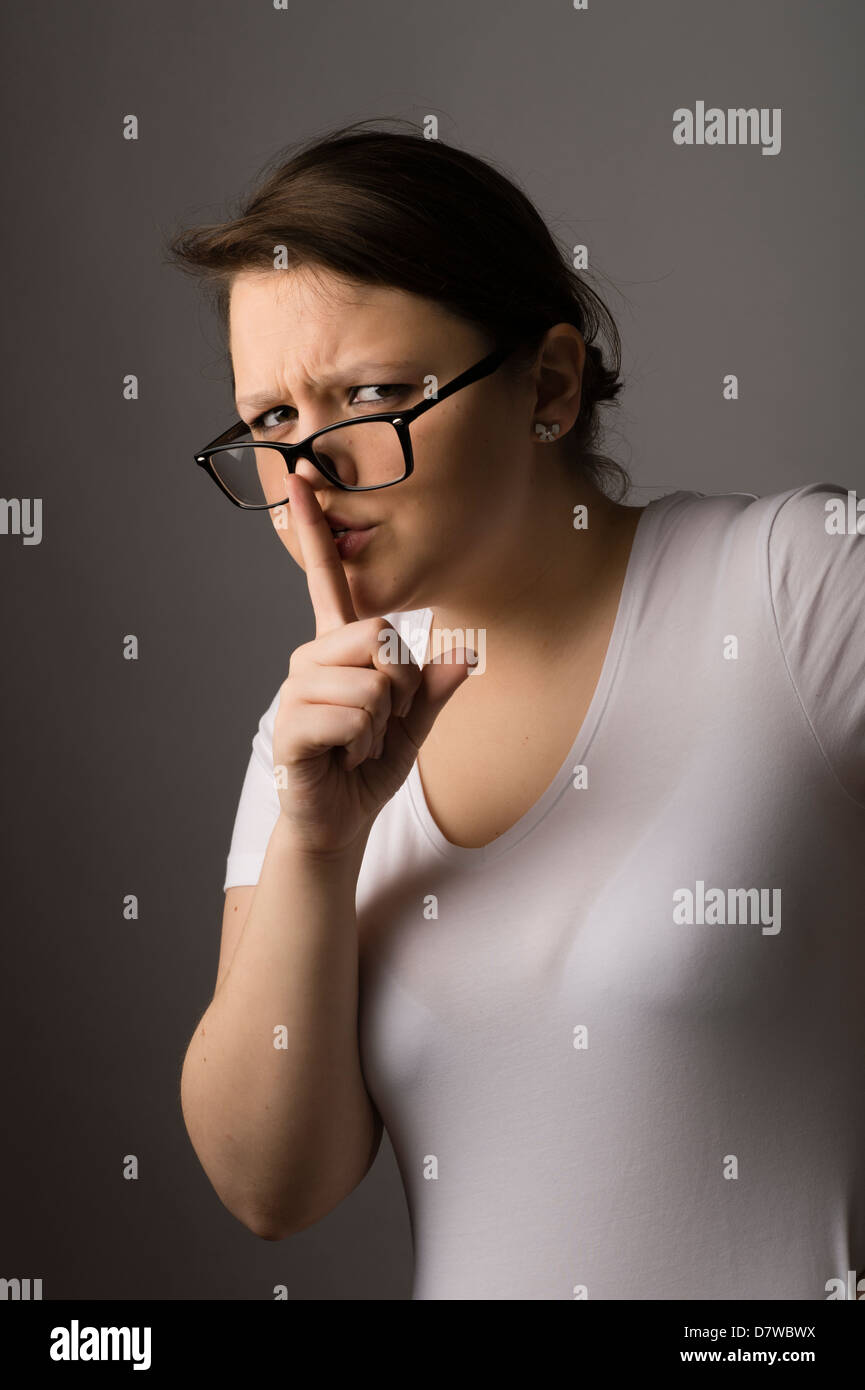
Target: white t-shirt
[(619, 1050)]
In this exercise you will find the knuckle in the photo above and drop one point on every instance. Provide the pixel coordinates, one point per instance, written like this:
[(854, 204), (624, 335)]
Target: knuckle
[(289, 691), (297, 658), (360, 720), (373, 626), (381, 687)]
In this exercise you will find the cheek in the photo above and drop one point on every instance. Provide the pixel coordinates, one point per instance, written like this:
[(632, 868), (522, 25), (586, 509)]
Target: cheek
[(454, 484), (452, 464)]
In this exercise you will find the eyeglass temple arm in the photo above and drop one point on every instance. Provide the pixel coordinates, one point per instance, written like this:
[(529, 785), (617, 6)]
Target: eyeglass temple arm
[(485, 367)]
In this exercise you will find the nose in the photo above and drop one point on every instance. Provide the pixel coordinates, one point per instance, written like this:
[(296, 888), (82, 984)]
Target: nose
[(321, 486), (311, 475)]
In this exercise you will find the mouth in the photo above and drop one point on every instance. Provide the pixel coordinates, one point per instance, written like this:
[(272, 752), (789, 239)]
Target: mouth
[(350, 537)]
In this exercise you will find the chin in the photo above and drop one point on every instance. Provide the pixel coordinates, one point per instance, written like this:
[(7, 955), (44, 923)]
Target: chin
[(372, 600), (368, 605)]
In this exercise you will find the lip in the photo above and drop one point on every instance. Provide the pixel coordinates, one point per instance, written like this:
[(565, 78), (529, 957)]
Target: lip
[(354, 541)]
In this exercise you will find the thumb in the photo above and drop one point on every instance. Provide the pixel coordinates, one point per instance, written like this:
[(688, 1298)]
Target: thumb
[(439, 680)]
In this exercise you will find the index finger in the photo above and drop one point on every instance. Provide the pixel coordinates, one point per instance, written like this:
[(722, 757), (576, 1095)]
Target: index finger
[(325, 576)]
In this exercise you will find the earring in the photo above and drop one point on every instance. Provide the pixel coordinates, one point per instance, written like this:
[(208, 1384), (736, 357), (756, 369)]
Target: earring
[(546, 433)]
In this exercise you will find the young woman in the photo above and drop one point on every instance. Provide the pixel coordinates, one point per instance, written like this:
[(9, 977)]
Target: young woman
[(569, 899)]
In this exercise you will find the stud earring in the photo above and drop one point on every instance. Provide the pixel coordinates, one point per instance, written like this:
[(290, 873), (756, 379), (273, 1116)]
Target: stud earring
[(545, 432)]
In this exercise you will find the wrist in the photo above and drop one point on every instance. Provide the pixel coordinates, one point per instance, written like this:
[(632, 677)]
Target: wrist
[(295, 844)]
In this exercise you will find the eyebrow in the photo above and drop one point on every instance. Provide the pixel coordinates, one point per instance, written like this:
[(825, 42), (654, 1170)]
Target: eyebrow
[(258, 399)]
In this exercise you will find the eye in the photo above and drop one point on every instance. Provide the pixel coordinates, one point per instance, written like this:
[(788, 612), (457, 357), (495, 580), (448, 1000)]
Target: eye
[(258, 422), (389, 390)]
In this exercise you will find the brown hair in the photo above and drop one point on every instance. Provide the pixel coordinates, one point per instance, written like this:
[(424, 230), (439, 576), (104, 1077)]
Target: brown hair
[(419, 215)]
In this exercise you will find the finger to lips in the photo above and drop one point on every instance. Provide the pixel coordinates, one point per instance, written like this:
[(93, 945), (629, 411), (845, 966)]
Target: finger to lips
[(347, 641), (325, 576)]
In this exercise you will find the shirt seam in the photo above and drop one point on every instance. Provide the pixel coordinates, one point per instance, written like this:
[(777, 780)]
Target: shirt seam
[(833, 773)]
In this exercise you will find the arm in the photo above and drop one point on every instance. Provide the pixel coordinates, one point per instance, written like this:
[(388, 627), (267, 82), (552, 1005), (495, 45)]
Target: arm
[(284, 1133)]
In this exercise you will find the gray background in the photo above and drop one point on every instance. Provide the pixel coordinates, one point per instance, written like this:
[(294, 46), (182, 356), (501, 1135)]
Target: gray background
[(123, 777)]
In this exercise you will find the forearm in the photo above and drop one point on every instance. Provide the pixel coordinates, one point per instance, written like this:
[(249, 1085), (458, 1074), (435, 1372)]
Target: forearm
[(272, 1090)]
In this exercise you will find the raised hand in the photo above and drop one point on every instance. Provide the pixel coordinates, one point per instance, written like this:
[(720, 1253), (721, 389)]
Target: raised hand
[(349, 723)]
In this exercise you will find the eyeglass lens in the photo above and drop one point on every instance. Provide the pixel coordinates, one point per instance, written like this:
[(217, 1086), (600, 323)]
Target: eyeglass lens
[(365, 453)]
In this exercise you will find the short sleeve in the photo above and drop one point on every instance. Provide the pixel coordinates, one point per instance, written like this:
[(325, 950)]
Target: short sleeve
[(817, 582), (258, 808)]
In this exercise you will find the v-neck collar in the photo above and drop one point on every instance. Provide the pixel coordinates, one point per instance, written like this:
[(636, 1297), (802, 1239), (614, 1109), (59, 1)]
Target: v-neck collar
[(640, 546)]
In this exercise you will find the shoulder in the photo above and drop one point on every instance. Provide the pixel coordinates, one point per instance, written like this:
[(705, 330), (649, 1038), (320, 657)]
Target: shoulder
[(816, 576), (785, 532), (794, 560), (815, 562), (802, 550), (822, 522)]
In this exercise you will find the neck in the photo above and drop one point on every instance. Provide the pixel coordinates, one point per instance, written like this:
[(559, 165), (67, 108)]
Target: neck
[(550, 581)]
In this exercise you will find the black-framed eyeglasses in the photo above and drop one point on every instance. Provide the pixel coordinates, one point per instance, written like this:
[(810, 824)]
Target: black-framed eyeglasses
[(357, 455)]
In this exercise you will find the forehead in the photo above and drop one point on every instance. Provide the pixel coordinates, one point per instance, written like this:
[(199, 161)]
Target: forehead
[(316, 315)]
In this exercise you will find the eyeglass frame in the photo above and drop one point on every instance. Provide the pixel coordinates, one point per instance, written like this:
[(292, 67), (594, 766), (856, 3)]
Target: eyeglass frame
[(400, 419)]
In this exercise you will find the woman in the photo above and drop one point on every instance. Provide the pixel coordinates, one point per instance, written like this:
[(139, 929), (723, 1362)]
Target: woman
[(571, 901)]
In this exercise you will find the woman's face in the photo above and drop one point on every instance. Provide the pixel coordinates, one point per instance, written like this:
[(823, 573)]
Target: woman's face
[(314, 349)]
